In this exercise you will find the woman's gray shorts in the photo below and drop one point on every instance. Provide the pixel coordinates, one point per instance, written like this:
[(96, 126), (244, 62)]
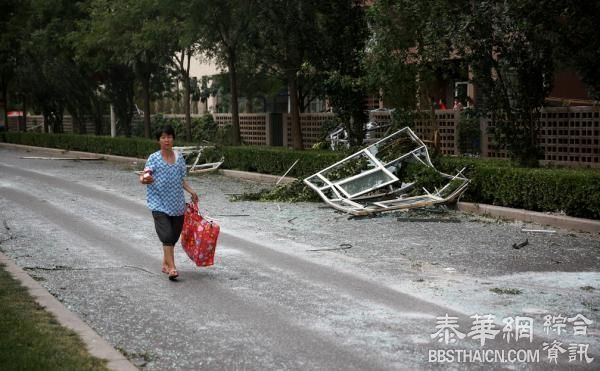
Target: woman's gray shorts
[(168, 228)]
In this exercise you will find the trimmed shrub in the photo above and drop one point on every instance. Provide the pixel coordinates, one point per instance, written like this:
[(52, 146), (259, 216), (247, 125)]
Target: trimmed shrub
[(575, 192), (277, 160), (130, 147)]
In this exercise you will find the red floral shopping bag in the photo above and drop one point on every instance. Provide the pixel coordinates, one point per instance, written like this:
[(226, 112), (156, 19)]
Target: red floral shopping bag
[(199, 236)]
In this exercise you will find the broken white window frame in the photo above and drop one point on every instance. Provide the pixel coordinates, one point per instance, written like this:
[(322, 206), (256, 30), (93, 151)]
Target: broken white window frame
[(342, 197), (196, 168)]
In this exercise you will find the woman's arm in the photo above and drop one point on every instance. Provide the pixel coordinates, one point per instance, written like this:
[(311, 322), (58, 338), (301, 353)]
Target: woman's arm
[(189, 190)]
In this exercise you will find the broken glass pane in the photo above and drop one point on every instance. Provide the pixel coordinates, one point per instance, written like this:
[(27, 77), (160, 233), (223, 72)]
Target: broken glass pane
[(349, 167), (368, 182)]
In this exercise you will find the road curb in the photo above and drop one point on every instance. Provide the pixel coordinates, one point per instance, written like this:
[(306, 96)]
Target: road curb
[(76, 153), (257, 177), (557, 221), (96, 345)]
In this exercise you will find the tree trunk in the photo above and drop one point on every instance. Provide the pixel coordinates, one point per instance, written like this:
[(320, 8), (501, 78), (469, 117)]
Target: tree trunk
[(249, 105), (295, 113), (235, 115), (97, 115), (58, 120), (186, 96), (146, 94), (23, 119), (186, 109), (5, 102), (78, 120)]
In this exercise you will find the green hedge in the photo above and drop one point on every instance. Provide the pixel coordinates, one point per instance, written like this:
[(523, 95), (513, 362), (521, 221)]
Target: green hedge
[(130, 147), (277, 160), (575, 192)]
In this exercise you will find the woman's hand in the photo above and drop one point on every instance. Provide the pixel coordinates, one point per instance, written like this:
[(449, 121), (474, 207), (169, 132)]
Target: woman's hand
[(189, 190), (146, 179), (146, 176)]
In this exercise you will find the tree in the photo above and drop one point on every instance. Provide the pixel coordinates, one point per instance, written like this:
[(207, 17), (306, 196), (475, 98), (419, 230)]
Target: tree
[(53, 79), (344, 39), (224, 29), (126, 40), (578, 46), (181, 62), (300, 40), (285, 35), (13, 34), (390, 63), (512, 64), (505, 45)]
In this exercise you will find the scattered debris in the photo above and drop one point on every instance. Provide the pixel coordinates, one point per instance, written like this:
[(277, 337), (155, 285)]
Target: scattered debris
[(439, 220), (517, 246), (360, 217), (338, 137), (286, 173), (373, 131), (65, 158), (295, 191), (232, 215), (291, 220), (539, 230), (55, 268), (587, 288), (343, 246), (500, 291), (387, 175), (65, 268)]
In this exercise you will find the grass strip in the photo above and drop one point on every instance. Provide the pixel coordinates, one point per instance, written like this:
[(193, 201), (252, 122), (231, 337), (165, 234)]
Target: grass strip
[(32, 339)]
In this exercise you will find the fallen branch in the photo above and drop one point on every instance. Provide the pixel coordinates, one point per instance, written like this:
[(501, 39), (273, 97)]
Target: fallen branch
[(343, 246)]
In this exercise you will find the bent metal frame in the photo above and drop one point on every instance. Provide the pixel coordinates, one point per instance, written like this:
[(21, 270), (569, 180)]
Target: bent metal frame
[(197, 168), (376, 188)]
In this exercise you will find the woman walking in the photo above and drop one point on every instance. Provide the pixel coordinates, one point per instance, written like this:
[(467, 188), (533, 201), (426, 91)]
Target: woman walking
[(164, 175)]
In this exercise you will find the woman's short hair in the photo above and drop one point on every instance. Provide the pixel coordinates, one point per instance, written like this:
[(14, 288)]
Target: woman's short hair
[(167, 129)]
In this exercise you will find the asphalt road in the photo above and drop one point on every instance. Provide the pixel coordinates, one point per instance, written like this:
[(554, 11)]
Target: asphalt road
[(82, 229)]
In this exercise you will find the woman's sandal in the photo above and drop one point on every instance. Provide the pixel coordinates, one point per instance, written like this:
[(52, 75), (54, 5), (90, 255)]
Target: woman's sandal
[(165, 270), (173, 275)]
